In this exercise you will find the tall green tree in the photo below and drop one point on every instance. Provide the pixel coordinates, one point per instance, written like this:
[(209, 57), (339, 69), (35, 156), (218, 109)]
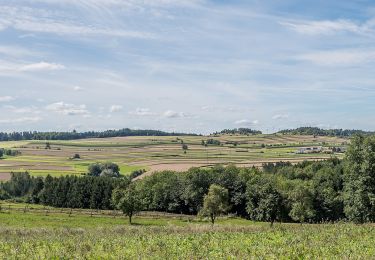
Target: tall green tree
[(215, 202), (95, 169), (127, 200), (359, 180), (302, 207), (264, 201), (47, 195), (20, 184), (37, 188), (107, 169), (327, 187), (196, 184)]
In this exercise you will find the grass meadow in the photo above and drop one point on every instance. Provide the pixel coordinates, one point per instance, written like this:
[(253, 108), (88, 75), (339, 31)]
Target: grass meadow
[(58, 235)]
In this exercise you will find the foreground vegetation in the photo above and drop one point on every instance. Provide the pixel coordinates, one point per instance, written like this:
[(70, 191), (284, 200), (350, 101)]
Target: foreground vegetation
[(58, 236)]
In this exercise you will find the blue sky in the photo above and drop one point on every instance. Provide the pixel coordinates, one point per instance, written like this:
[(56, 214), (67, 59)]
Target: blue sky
[(192, 66)]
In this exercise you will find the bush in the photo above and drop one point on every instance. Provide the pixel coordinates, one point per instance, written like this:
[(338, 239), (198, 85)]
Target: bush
[(104, 169), (76, 156)]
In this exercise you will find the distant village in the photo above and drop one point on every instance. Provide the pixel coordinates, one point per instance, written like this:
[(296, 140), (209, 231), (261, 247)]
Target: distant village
[(321, 149)]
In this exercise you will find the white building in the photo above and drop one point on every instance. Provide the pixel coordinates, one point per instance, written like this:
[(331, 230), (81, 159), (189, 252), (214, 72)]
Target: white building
[(306, 150)]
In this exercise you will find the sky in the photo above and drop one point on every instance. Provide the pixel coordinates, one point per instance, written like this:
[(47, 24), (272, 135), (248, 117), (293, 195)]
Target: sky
[(186, 65)]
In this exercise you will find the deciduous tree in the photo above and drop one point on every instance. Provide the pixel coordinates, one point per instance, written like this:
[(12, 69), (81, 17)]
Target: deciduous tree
[(215, 202), (127, 200)]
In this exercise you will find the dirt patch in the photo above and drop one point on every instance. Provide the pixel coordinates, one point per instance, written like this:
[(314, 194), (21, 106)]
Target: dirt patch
[(182, 167), (4, 176), (174, 167), (49, 167), (169, 167)]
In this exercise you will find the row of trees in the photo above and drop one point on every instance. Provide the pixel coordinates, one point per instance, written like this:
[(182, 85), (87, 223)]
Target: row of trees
[(211, 142), (316, 131), (33, 135), (239, 131), (307, 192), (328, 190), (66, 192), (9, 152), (16, 136)]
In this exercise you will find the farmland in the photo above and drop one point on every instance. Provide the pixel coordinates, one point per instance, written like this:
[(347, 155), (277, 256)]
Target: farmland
[(82, 218), (81, 236), (158, 153)]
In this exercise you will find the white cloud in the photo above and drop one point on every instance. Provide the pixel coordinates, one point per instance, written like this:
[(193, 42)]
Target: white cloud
[(324, 27), (68, 109), (4, 23), (246, 122), (142, 112), (23, 110), (6, 98), (257, 77), (15, 51), (10, 68), (45, 21), (77, 88), (41, 66), (27, 35), (280, 116), (62, 29), (115, 108), (21, 120), (174, 114), (140, 5), (338, 57)]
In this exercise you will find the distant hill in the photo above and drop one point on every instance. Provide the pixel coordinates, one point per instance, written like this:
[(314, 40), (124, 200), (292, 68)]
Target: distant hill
[(239, 131), (324, 132), (17, 136)]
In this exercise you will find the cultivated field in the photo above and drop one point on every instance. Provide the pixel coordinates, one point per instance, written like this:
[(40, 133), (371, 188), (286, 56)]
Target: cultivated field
[(158, 153), (59, 234)]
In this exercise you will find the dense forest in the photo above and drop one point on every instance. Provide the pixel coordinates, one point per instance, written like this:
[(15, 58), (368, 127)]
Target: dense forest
[(313, 192), (17, 136), (324, 132)]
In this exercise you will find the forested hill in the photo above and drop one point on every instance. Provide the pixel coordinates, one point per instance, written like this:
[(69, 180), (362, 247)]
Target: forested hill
[(239, 131), (16, 136), (324, 132)]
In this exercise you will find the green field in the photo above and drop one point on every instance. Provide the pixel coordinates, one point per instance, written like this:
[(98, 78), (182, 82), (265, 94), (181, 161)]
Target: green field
[(56, 235), (159, 153)]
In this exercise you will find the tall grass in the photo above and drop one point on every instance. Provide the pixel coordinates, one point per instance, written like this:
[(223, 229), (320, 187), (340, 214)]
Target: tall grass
[(33, 236)]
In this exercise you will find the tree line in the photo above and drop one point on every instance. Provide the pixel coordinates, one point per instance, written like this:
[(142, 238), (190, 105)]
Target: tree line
[(314, 192), (86, 192), (29, 135), (8, 152), (239, 131), (73, 135), (325, 132)]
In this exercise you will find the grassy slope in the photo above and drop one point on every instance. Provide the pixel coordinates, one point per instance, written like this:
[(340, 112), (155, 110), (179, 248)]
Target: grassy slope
[(36, 236)]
